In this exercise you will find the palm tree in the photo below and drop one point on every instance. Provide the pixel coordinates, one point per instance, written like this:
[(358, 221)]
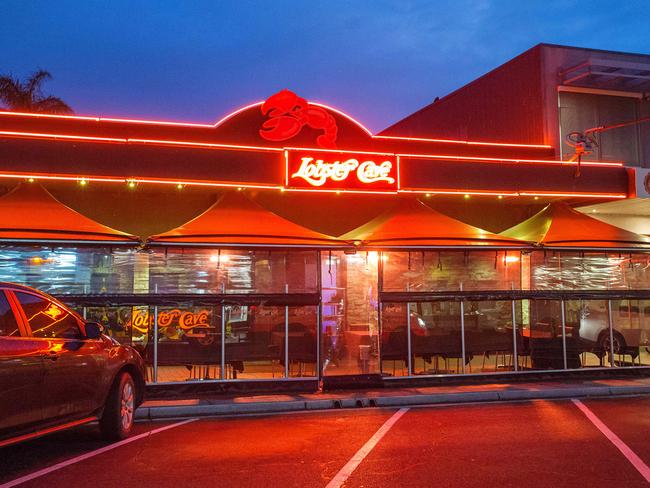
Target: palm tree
[(26, 96)]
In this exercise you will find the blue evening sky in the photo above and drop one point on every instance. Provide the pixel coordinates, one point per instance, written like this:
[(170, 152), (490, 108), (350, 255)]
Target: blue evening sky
[(380, 60)]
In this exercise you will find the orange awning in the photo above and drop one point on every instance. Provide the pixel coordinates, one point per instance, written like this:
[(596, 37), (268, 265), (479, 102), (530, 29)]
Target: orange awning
[(412, 224), (560, 226), (30, 214), (236, 221)]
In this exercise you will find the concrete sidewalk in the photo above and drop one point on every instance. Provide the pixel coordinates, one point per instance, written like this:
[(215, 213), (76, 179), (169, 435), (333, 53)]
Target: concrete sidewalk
[(393, 397)]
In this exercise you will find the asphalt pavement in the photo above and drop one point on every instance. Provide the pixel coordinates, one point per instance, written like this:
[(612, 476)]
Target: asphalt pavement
[(565, 442)]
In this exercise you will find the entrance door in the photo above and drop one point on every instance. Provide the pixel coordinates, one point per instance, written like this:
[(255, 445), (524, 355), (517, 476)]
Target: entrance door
[(349, 313)]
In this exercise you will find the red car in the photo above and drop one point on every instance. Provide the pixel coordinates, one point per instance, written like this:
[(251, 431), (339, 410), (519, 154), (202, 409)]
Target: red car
[(59, 371)]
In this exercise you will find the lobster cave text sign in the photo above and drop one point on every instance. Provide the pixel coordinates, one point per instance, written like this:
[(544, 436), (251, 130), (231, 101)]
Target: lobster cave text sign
[(340, 171)]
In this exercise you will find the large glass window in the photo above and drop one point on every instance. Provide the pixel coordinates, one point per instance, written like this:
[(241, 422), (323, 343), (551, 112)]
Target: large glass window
[(489, 336), (436, 342), (255, 344), (543, 340), (451, 270), (436, 338), (587, 330), (631, 332), (70, 270), (232, 271), (566, 270)]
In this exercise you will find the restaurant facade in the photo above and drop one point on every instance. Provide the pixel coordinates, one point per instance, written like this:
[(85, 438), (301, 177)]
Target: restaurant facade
[(287, 246)]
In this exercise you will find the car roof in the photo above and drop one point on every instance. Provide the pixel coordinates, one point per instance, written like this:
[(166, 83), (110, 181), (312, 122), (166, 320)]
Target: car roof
[(18, 287)]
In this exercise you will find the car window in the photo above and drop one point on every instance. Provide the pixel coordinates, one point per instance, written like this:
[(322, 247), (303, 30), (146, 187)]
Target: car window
[(8, 323), (47, 319)]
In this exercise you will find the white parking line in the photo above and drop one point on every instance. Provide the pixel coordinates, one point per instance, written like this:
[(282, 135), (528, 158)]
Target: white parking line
[(360, 455), (631, 456), (63, 464)]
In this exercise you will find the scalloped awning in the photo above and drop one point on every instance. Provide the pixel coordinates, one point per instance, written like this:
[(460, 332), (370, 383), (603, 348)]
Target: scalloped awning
[(30, 214), (236, 221), (412, 224), (560, 226)]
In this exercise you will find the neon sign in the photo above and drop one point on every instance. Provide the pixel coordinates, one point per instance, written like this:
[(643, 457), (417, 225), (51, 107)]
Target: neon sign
[(340, 171), (186, 320), (288, 114)]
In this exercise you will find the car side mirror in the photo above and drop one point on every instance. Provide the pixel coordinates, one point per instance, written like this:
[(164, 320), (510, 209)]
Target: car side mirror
[(93, 330)]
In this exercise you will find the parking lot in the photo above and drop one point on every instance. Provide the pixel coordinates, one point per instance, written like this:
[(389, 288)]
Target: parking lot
[(594, 442)]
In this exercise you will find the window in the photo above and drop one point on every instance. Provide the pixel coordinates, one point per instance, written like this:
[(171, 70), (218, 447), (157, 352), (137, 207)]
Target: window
[(8, 324), (47, 319)]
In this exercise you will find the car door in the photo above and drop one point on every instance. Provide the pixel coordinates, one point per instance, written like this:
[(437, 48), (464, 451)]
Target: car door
[(73, 365), (21, 371)]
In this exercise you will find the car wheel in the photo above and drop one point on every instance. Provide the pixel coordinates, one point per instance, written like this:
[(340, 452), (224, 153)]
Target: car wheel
[(117, 419)]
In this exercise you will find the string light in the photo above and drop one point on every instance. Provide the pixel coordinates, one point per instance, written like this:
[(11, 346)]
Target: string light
[(131, 184), (83, 181)]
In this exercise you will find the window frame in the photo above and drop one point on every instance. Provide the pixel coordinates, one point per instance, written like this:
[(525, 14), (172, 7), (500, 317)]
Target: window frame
[(22, 331)]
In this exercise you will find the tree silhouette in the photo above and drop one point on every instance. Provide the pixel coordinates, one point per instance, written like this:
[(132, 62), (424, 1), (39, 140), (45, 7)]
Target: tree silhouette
[(17, 96)]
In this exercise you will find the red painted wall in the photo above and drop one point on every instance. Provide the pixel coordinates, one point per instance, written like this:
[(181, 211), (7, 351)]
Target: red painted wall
[(504, 105)]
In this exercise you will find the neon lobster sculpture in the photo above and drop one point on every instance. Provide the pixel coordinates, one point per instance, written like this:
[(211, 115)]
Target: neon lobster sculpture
[(288, 114)]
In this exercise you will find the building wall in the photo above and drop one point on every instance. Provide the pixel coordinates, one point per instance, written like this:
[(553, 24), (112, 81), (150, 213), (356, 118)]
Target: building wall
[(584, 106), (505, 105), (523, 101)]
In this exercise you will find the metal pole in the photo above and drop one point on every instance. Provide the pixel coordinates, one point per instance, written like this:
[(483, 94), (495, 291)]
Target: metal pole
[(611, 333), (319, 311), (380, 287), (514, 337), (155, 337), (462, 328), (223, 341), (408, 341), (286, 335), (563, 309), (222, 373), (155, 344)]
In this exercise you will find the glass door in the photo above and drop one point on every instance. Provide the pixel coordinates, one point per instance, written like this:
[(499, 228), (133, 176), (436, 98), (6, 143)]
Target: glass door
[(349, 313)]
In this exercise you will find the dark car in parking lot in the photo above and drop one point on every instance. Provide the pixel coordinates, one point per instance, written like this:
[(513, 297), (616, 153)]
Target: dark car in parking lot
[(59, 371)]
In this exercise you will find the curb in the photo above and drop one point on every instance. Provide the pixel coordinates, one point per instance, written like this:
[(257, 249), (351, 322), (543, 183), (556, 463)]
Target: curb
[(173, 411)]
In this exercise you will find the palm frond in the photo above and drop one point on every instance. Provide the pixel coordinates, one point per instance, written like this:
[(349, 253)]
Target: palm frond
[(28, 97), (34, 82), (52, 105), (10, 91)]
